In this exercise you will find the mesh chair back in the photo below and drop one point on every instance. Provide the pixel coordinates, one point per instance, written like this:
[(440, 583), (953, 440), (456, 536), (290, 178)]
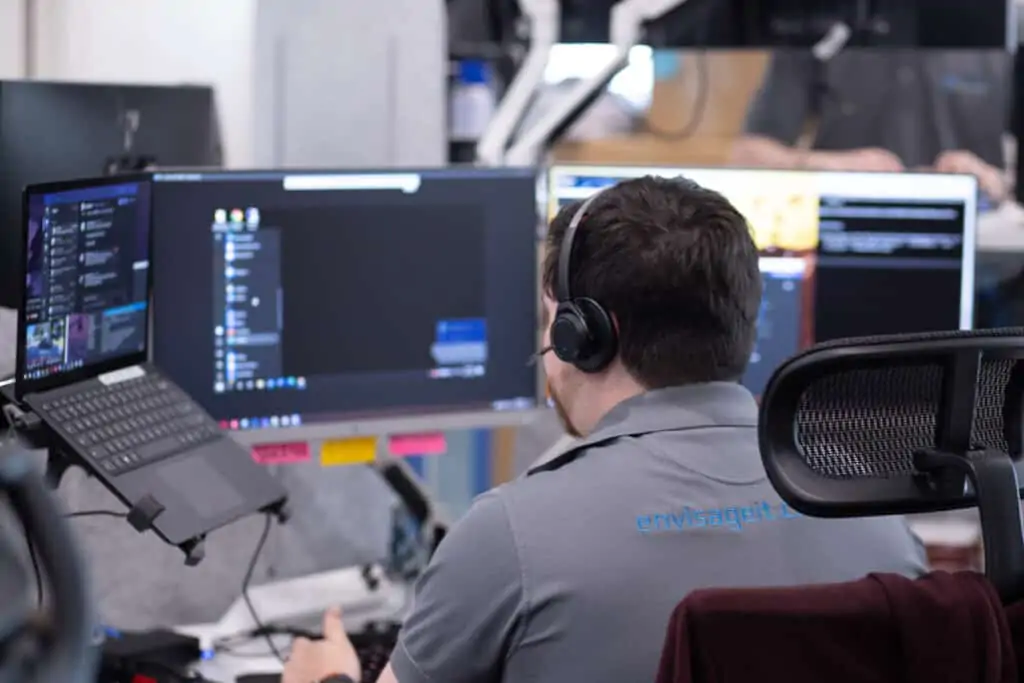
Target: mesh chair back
[(843, 424)]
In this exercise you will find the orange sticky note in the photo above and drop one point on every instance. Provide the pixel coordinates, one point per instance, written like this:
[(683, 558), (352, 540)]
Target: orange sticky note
[(281, 453), (404, 445), (348, 451)]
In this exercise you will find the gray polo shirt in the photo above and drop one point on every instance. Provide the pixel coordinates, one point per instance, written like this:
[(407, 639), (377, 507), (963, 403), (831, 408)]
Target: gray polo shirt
[(570, 574), (915, 104)]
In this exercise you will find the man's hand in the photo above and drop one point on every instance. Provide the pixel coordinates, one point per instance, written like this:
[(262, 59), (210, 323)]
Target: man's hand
[(991, 180), (311, 662), (867, 159)]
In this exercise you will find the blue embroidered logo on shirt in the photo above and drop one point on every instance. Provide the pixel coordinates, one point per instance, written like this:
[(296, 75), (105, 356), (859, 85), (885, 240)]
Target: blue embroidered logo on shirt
[(735, 518)]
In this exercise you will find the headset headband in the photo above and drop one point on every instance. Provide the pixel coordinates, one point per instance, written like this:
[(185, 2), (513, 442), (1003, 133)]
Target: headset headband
[(563, 292)]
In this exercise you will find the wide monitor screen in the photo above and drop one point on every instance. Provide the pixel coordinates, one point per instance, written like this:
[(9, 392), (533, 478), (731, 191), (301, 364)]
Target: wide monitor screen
[(285, 299), (842, 254)]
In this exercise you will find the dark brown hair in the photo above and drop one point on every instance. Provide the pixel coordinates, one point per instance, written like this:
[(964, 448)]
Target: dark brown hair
[(676, 265)]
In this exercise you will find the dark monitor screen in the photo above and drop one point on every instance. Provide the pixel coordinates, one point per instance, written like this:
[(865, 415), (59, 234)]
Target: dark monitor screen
[(842, 254), (63, 131), (761, 24), (86, 266), (282, 299)]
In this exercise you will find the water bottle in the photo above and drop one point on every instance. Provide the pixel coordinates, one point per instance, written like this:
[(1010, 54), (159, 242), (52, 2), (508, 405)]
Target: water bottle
[(472, 101)]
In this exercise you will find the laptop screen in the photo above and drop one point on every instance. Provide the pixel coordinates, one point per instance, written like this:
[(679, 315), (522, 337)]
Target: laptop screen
[(85, 305)]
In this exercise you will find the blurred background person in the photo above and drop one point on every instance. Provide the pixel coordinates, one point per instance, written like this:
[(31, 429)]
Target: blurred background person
[(883, 111)]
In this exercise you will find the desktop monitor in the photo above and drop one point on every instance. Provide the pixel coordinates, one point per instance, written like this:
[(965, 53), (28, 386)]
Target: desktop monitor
[(62, 131), (287, 299), (842, 254)]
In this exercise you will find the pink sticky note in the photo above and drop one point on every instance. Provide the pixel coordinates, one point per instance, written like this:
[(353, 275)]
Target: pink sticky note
[(281, 453), (418, 444)]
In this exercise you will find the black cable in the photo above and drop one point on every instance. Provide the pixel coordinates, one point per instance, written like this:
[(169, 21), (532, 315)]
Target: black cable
[(260, 628), (700, 106), (97, 513), (36, 571)]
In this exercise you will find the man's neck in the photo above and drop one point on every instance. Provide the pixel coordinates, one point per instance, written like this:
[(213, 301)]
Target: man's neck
[(604, 399)]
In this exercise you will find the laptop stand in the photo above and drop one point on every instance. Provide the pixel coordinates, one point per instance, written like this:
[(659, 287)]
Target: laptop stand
[(141, 515)]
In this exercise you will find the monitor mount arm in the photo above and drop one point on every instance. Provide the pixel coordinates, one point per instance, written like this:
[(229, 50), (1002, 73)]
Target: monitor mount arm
[(628, 18), (544, 19)]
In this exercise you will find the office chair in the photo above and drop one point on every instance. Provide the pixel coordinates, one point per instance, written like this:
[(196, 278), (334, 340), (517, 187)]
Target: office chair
[(905, 424), (50, 643), (881, 426)]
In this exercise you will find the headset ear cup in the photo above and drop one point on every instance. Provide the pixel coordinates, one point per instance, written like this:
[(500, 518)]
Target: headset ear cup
[(569, 333), (603, 340)]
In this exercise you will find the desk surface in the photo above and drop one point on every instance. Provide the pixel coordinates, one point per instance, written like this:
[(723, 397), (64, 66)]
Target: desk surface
[(295, 602)]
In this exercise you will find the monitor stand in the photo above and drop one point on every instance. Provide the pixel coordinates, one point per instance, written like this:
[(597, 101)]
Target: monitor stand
[(127, 164)]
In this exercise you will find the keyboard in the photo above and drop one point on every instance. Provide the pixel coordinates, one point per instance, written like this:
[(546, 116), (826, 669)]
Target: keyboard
[(131, 424), (374, 645)]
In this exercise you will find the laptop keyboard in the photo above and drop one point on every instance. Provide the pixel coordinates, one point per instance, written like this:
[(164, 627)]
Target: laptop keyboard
[(131, 424)]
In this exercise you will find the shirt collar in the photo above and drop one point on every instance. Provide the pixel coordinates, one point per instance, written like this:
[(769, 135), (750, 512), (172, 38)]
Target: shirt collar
[(670, 409)]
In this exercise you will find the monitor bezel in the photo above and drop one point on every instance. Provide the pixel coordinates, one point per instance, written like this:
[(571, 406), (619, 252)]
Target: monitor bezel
[(22, 386), (186, 174)]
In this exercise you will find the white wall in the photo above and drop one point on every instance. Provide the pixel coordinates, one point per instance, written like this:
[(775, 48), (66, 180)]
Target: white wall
[(351, 83), (207, 42), (12, 38)]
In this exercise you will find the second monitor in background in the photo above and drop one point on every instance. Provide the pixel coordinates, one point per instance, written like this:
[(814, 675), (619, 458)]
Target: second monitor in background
[(62, 131), (288, 299), (842, 254)]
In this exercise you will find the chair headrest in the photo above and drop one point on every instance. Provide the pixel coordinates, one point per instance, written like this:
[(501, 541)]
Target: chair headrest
[(844, 425)]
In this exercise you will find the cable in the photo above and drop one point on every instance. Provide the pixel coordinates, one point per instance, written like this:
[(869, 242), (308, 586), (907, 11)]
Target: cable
[(36, 571), (260, 628), (97, 513), (700, 105)]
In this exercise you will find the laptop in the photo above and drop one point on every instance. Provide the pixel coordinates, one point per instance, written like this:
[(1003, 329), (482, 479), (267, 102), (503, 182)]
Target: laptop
[(82, 365)]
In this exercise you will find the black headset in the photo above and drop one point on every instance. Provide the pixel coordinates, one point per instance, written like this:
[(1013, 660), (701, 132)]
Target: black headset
[(582, 332)]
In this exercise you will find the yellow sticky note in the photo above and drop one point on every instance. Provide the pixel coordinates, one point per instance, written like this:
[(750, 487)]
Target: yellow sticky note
[(348, 451)]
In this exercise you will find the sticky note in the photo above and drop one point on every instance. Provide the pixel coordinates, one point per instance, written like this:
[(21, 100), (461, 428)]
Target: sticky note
[(418, 444), (281, 453), (348, 451)]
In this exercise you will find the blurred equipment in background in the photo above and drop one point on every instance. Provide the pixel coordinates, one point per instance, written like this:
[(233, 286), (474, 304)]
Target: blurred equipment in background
[(63, 131), (719, 24), (55, 645), (946, 24)]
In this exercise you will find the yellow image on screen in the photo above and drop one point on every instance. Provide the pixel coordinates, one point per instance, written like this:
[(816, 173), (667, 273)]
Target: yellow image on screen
[(781, 208)]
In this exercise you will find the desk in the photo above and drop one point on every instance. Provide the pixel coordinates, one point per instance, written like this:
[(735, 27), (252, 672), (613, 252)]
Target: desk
[(295, 602)]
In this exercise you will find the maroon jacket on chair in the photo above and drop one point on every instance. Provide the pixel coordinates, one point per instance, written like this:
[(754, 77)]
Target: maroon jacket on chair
[(943, 628)]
